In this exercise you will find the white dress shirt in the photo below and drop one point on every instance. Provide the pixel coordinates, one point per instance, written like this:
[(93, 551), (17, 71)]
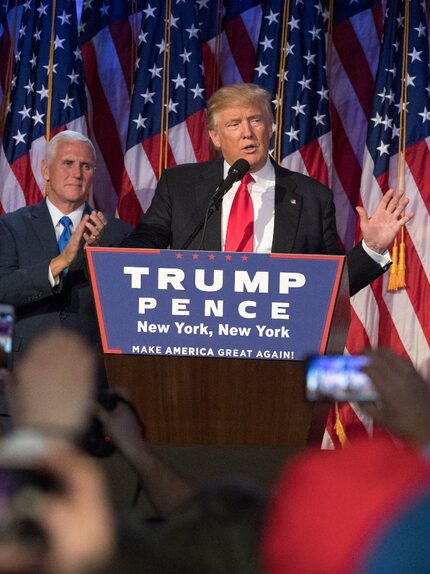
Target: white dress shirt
[(56, 215), (262, 192)]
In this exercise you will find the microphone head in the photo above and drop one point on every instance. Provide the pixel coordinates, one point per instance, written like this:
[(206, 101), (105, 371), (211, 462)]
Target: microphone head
[(239, 168)]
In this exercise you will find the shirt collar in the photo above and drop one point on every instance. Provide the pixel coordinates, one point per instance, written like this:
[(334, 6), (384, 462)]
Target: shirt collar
[(264, 176), (56, 214)]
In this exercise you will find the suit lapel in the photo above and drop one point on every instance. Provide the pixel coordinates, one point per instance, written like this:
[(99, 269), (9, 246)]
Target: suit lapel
[(42, 225), (288, 207)]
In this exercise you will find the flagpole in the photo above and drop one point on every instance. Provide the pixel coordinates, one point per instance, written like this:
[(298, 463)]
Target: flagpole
[(281, 83), (397, 279), (50, 73), (8, 78)]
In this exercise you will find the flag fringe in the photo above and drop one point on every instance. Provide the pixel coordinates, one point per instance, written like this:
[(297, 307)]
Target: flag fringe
[(401, 267), (392, 282), (339, 428)]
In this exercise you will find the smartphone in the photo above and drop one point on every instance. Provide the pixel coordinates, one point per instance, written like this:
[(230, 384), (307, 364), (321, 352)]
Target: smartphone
[(20, 491), (7, 320), (338, 378)]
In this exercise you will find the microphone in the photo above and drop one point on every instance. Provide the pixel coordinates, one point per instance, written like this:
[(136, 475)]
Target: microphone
[(236, 172)]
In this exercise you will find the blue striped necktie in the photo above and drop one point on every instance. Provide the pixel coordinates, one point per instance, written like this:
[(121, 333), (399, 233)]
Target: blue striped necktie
[(66, 222)]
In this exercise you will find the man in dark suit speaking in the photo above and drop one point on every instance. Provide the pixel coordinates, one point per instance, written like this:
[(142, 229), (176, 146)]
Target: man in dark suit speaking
[(42, 264), (277, 210)]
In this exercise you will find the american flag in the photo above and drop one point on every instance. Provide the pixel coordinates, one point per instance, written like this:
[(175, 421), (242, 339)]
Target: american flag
[(109, 35), (399, 320), (5, 43), (291, 65), (231, 42), (10, 13), (47, 94), (167, 119), (332, 123)]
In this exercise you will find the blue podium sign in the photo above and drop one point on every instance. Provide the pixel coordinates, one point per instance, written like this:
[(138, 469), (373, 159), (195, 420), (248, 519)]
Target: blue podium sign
[(214, 304)]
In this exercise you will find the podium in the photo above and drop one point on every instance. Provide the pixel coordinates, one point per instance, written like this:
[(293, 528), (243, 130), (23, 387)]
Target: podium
[(213, 400)]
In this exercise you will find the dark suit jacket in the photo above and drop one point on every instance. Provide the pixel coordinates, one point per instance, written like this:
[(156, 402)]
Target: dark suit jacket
[(27, 245), (304, 217)]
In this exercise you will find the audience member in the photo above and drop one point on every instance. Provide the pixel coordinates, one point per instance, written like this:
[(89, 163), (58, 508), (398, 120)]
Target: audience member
[(362, 510), (404, 405)]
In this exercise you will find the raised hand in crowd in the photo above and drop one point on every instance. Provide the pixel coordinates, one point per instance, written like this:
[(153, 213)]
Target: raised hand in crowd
[(404, 405), (165, 487)]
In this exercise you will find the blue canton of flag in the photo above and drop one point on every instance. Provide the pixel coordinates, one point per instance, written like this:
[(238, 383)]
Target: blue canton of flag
[(384, 126), (10, 16), (4, 49), (347, 10), (237, 7), (97, 14), (305, 114), (27, 117), (181, 74)]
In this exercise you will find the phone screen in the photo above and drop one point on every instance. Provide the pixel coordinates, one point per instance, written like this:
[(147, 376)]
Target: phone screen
[(338, 378), (7, 319)]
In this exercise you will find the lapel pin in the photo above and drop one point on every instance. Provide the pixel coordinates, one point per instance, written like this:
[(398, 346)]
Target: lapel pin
[(293, 201)]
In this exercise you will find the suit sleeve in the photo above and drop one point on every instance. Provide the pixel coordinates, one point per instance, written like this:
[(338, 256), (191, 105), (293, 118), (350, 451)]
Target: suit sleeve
[(115, 231), (362, 269), (20, 285)]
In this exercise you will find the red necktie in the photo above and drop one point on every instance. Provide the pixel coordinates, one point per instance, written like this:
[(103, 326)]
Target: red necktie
[(240, 227)]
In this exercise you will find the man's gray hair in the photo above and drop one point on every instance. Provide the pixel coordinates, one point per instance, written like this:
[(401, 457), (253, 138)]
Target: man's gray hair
[(68, 136)]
